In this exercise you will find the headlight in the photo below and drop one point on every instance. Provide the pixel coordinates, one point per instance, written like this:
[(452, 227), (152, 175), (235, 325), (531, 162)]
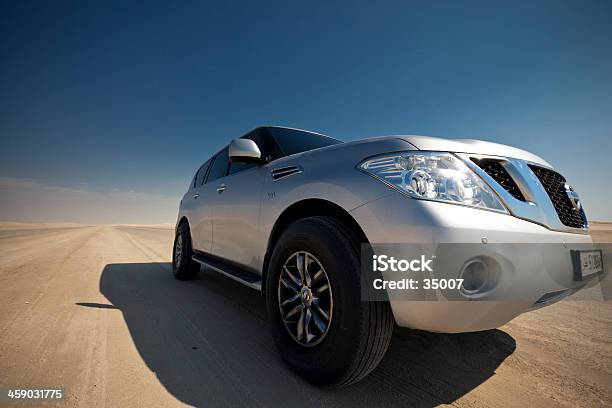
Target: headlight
[(433, 176)]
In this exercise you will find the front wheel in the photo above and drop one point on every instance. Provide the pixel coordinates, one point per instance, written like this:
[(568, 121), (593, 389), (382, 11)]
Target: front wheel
[(322, 328)]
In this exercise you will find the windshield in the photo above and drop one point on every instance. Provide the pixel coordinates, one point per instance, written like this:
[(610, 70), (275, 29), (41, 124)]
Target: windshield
[(293, 141)]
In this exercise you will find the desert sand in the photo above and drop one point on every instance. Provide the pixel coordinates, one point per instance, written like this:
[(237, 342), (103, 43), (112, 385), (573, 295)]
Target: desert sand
[(95, 310)]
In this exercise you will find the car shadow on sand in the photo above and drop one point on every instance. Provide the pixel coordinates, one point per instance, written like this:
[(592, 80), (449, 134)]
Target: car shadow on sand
[(208, 343)]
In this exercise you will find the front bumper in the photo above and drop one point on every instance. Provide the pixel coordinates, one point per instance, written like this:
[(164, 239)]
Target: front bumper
[(535, 267)]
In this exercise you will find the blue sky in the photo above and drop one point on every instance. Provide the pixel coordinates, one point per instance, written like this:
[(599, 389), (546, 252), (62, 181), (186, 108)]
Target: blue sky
[(110, 99)]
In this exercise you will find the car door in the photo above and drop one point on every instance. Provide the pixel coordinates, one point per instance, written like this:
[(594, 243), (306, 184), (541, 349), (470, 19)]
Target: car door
[(201, 220), (236, 231)]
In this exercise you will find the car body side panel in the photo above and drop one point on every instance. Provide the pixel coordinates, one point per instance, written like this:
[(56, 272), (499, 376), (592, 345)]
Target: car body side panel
[(201, 218), (243, 229), (236, 235)]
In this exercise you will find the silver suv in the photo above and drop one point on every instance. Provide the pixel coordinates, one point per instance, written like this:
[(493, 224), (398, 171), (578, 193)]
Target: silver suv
[(286, 212)]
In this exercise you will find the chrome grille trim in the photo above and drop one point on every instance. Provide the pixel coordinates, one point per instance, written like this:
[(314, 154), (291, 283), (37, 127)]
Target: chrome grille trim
[(537, 207)]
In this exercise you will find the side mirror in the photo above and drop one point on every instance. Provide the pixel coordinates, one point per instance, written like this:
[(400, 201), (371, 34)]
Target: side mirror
[(244, 150)]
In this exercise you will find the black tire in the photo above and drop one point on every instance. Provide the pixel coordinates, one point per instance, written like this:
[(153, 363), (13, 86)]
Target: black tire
[(358, 333), (183, 266)]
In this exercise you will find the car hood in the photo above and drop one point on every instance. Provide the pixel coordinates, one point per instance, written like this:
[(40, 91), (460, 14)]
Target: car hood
[(472, 146)]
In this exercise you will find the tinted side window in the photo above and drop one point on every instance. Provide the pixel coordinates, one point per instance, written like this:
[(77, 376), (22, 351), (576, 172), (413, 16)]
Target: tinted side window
[(202, 173), (296, 141), (236, 167), (193, 180), (219, 166)]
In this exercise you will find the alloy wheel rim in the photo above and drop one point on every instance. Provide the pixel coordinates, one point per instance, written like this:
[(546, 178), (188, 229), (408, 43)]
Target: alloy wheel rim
[(305, 298)]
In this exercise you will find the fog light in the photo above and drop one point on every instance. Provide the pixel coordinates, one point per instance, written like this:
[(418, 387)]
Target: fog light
[(475, 274)]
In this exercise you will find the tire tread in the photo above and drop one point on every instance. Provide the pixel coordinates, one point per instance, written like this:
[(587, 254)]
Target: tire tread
[(378, 323)]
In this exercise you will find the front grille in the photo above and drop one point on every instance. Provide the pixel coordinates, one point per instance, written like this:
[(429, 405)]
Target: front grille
[(554, 184), (498, 172)]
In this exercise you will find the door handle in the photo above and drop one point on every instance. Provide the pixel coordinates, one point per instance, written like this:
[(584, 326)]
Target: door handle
[(221, 188), (196, 195)]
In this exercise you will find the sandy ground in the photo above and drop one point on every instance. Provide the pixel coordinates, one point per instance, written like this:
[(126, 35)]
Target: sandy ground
[(95, 310)]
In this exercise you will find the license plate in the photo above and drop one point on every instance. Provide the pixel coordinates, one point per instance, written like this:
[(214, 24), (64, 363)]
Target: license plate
[(586, 263)]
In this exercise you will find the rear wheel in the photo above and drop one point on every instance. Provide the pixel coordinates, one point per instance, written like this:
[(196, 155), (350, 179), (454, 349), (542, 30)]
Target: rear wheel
[(183, 266), (322, 328)]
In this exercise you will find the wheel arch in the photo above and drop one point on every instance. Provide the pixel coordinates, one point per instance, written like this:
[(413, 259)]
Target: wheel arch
[(183, 220), (309, 208)]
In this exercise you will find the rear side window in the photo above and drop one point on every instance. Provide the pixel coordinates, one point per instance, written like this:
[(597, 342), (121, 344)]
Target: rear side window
[(219, 166), (202, 174), (293, 141)]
